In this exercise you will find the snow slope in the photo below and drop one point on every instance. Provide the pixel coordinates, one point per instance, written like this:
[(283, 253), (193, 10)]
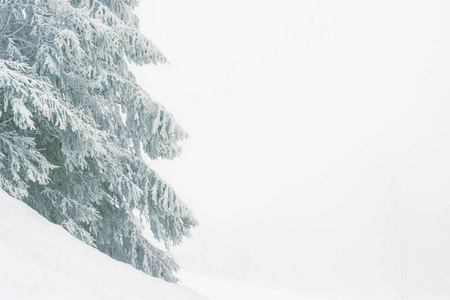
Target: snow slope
[(40, 260)]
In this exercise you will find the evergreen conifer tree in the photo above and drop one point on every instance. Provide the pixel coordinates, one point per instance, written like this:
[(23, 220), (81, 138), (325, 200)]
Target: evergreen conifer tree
[(66, 148)]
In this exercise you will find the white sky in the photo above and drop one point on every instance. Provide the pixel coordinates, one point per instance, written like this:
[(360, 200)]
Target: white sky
[(320, 139)]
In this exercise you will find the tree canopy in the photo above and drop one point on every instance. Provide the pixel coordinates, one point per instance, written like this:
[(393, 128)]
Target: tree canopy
[(74, 125)]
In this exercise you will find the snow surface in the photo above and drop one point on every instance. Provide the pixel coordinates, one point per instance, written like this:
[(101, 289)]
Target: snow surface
[(225, 288), (40, 260)]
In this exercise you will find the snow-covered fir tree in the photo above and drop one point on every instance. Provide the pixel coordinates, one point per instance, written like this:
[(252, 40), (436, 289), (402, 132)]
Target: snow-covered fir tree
[(65, 147)]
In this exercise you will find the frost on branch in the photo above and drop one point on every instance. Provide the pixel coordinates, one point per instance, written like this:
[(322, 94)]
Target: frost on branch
[(64, 148)]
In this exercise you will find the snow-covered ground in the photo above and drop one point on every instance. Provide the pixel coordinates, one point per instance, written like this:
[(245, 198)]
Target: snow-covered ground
[(217, 287), (40, 260)]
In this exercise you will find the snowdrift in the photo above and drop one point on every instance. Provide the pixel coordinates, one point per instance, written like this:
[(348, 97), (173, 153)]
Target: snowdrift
[(40, 260)]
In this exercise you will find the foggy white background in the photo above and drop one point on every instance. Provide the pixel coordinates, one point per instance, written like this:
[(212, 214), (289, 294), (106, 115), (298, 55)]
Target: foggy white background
[(318, 158)]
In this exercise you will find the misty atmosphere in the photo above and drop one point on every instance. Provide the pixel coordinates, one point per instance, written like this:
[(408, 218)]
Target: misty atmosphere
[(237, 150)]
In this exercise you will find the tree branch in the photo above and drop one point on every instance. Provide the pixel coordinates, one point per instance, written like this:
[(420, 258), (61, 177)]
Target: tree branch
[(9, 16)]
